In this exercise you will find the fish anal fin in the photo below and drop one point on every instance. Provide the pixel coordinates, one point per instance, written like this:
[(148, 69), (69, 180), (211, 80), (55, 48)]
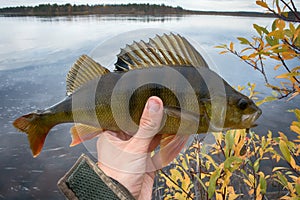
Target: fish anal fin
[(82, 71), (82, 132)]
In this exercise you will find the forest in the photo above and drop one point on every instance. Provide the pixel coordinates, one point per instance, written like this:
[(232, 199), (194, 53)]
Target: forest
[(68, 9), (116, 9)]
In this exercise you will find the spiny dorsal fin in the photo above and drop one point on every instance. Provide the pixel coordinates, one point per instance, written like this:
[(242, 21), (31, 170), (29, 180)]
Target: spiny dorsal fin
[(171, 50), (82, 71)]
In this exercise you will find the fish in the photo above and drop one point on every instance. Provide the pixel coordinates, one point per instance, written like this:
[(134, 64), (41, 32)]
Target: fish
[(196, 99)]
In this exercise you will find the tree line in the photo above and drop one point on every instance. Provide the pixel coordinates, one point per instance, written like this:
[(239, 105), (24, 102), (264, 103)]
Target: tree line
[(68, 9)]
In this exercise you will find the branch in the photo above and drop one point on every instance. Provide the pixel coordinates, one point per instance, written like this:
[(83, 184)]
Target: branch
[(294, 47), (293, 11), (286, 67), (283, 17), (252, 65), (294, 7), (166, 175)]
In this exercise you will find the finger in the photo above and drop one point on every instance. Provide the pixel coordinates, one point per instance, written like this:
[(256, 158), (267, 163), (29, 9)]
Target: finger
[(120, 135), (151, 119)]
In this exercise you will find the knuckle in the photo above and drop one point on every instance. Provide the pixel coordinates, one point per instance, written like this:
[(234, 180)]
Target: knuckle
[(148, 124)]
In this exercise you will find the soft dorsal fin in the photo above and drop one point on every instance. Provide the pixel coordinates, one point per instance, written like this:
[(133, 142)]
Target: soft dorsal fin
[(171, 50), (82, 71)]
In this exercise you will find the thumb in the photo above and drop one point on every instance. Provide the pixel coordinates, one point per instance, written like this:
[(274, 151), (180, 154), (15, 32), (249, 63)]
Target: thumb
[(150, 122)]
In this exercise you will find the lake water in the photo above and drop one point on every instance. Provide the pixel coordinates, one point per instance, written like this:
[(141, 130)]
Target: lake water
[(36, 54)]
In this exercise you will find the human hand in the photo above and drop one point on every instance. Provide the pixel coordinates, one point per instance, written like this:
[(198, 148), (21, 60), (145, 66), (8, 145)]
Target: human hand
[(128, 159)]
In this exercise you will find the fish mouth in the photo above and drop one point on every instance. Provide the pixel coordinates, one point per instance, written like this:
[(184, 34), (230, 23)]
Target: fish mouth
[(249, 120)]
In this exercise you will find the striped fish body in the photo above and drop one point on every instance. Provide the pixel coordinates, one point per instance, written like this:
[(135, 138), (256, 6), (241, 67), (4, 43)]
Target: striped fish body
[(116, 100)]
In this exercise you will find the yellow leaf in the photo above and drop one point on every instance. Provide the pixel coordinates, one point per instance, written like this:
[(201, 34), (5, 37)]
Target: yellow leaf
[(258, 190), (296, 129), (296, 68), (280, 24), (262, 4), (296, 34), (282, 136), (277, 66), (223, 52), (231, 46), (278, 34), (247, 182), (279, 169), (251, 192), (275, 57), (288, 75), (253, 55), (244, 57), (219, 196), (288, 55), (293, 163)]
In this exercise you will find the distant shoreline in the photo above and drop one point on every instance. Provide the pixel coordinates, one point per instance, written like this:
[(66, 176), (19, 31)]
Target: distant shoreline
[(52, 10)]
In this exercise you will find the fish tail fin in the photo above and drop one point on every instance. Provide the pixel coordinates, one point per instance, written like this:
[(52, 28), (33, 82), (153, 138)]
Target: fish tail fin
[(36, 128)]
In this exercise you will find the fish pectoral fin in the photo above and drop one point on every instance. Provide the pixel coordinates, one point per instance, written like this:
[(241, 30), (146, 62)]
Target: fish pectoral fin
[(82, 132), (180, 113)]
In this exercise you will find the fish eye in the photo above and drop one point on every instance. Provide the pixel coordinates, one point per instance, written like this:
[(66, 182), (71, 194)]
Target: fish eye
[(243, 104)]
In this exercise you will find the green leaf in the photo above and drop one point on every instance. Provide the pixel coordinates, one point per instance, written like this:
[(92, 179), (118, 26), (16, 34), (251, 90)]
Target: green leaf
[(229, 142), (258, 29), (274, 25), (282, 180), (243, 40), (288, 33), (285, 151), (297, 113), (292, 28), (201, 182), (229, 161), (256, 165), (285, 14), (265, 30), (223, 46), (263, 184), (297, 187), (212, 182), (272, 41)]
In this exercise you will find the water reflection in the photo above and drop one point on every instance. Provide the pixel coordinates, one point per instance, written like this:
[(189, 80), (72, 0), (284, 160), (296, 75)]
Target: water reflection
[(143, 19), (36, 54), (39, 40)]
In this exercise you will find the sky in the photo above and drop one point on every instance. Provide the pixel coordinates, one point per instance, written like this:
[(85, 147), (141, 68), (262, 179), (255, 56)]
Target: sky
[(206, 5)]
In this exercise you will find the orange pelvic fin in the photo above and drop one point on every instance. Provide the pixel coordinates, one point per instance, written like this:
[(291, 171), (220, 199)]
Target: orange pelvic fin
[(170, 147), (36, 128), (82, 132)]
